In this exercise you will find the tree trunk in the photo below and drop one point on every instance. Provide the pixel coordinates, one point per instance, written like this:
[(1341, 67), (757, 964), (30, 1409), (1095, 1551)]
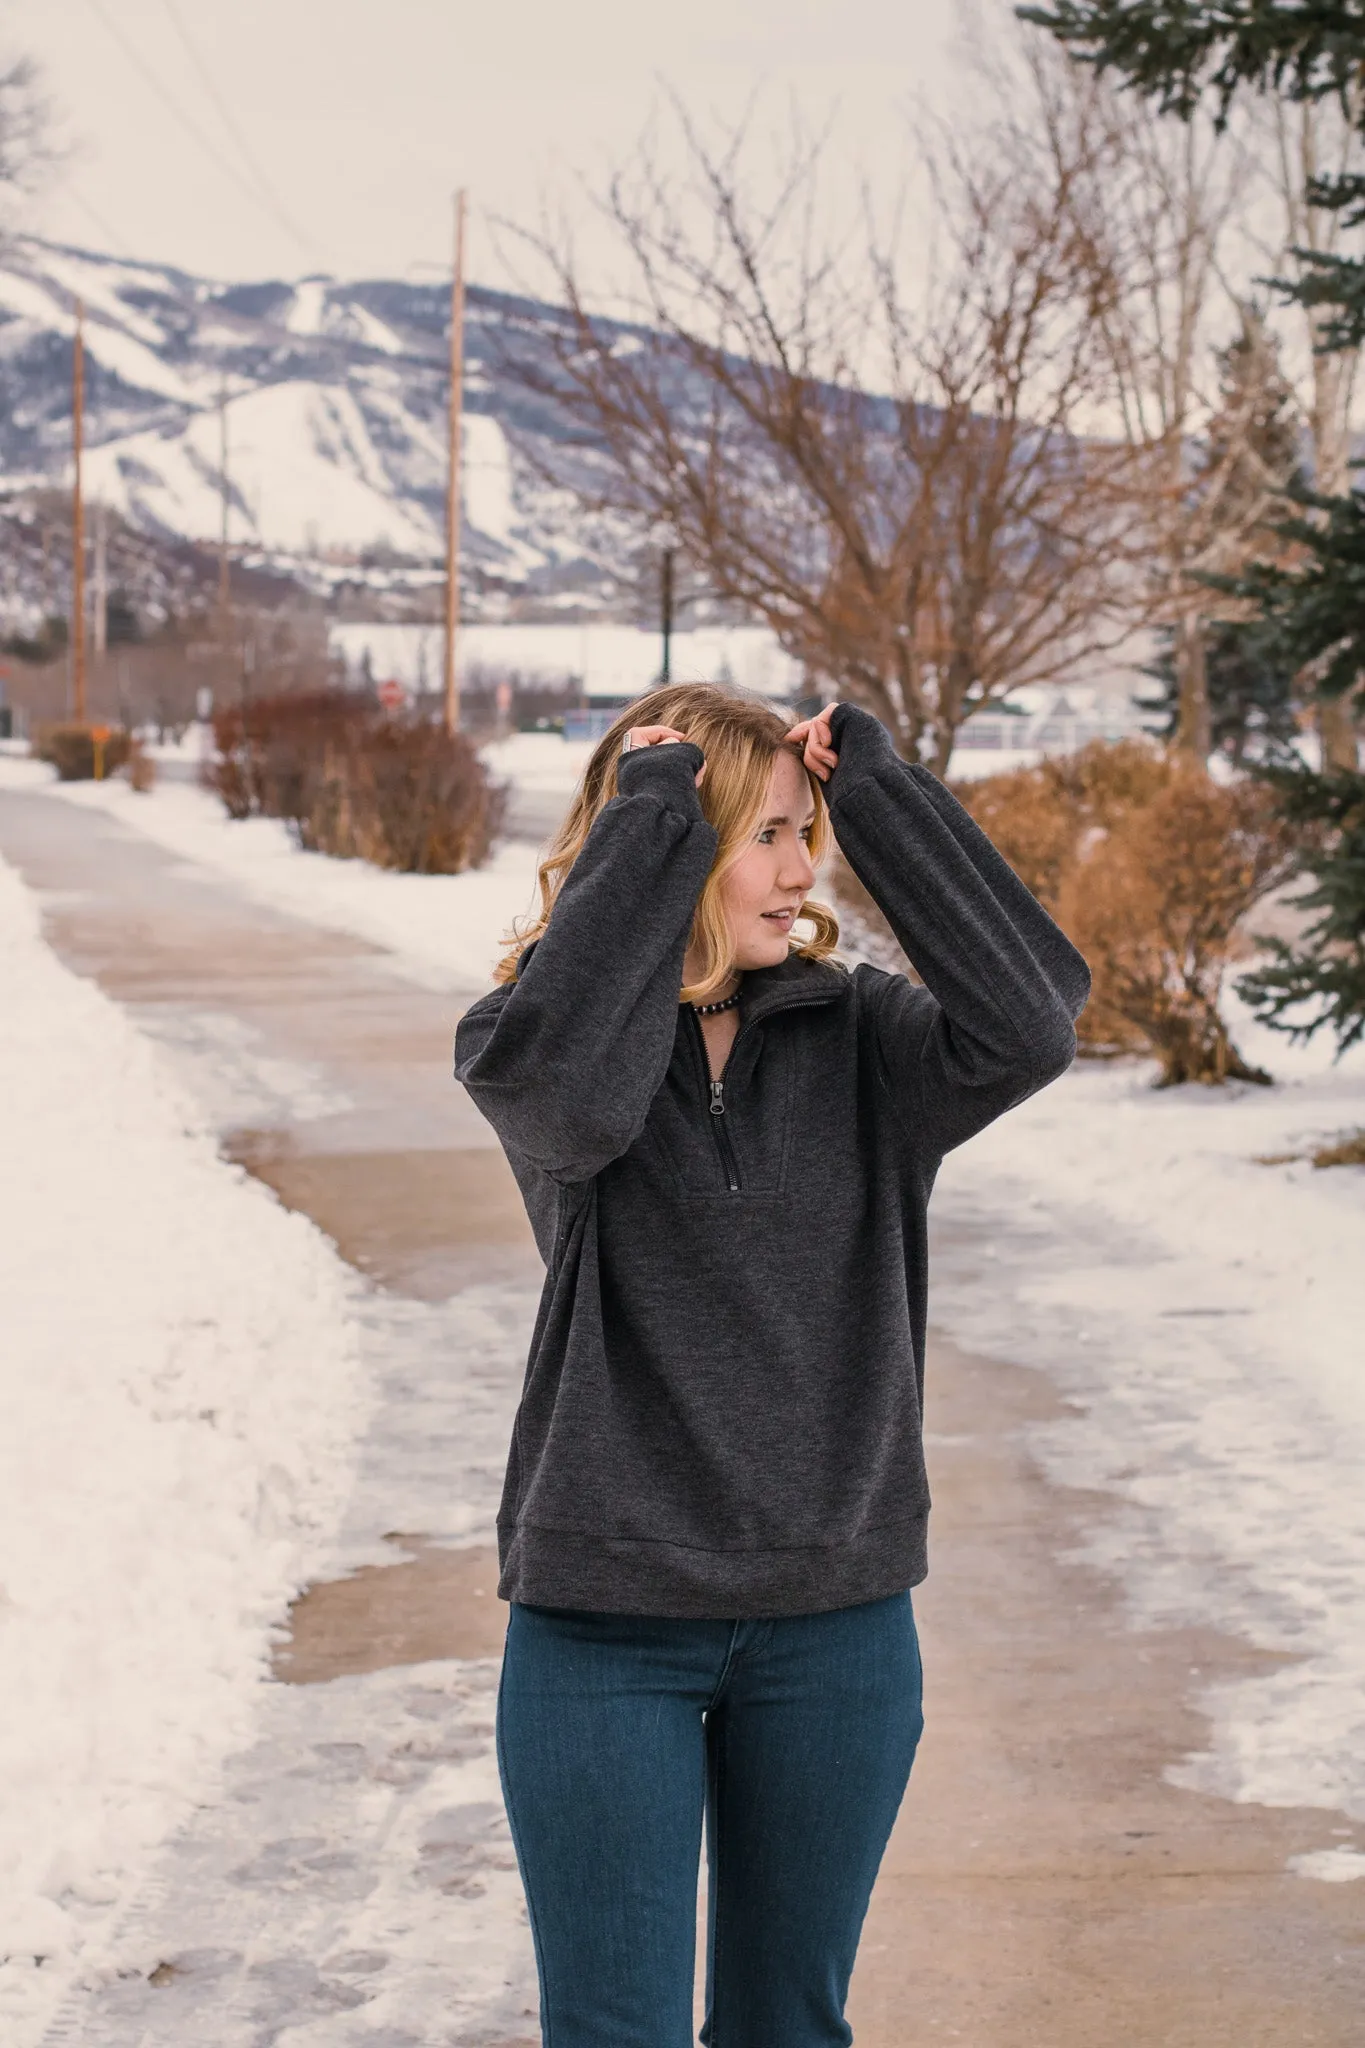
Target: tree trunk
[(1192, 1044), (1337, 733), (1194, 727)]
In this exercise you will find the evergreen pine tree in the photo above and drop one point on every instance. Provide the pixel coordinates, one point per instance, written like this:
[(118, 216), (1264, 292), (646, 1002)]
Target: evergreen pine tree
[(1251, 691), (1173, 51), (1313, 613), (1320, 979), (1248, 463), (1250, 456)]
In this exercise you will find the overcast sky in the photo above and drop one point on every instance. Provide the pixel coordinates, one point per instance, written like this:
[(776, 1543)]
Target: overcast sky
[(251, 138)]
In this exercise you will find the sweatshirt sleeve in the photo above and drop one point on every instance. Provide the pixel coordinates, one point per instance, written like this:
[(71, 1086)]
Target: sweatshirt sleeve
[(565, 1061), (1003, 985)]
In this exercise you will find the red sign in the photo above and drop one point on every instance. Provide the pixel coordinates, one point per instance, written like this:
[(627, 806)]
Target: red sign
[(392, 695)]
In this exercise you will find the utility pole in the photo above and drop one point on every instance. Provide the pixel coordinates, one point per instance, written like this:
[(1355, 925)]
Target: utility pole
[(78, 521), (666, 620), (101, 579), (452, 619), (224, 572)]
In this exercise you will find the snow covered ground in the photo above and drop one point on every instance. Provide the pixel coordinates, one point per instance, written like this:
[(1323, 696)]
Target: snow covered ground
[(1201, 1311), (181, 1390)]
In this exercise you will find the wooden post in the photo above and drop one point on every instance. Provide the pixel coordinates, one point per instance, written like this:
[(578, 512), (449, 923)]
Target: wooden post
[(666, 619), (224, 568), (78, 521), (101, 620), (452, 613)]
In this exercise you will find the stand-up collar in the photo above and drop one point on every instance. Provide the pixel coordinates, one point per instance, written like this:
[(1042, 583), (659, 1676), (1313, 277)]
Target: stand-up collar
[(764, 990), (795, 980)]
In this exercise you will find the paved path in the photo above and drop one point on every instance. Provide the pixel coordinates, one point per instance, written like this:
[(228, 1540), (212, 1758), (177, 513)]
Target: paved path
[(1045, 1887), (354, 1882)]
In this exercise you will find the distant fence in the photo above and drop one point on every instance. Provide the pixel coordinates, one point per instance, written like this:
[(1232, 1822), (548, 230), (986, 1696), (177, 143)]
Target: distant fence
[(1046, 732), (589, 725), (1049, 732)]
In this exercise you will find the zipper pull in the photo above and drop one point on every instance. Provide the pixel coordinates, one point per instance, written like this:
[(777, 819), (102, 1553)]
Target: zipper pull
[(717, 1098)]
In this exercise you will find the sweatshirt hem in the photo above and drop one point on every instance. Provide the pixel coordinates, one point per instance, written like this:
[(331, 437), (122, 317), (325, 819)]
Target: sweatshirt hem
[(674, 1581)]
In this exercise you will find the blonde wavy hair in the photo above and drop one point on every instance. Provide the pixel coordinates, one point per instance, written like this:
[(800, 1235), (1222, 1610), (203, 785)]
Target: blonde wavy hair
[(741, 736)]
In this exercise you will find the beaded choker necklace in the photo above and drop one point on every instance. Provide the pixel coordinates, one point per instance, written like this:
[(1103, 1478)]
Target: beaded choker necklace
[(709, 1009)]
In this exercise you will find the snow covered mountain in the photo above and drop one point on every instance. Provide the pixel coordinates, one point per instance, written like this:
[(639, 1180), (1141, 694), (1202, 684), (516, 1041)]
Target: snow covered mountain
[(335, 416)]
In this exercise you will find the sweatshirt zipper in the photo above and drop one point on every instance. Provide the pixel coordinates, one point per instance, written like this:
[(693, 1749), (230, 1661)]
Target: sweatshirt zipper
[(716, 1089), (716, 1107), (723, 1136)]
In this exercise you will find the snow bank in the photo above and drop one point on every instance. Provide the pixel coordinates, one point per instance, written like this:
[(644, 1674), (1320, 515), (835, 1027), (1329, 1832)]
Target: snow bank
[(180, 1392)]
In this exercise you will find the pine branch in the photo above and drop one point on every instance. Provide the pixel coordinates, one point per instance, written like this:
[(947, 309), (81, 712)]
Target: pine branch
[(1175, 50), (1319, 979)]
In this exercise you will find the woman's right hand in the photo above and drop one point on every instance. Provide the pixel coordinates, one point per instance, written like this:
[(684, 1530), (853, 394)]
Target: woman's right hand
[(659, 736)]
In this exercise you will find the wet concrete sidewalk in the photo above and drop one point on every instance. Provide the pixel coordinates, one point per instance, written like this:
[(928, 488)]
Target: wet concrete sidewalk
[(1045, 1887)]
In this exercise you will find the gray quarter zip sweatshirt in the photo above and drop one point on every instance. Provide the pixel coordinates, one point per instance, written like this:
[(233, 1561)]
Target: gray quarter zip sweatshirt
[(721, 1414)]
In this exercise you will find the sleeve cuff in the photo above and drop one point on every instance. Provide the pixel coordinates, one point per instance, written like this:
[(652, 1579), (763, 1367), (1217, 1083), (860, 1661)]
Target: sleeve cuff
[(862, 744), (668, 771)]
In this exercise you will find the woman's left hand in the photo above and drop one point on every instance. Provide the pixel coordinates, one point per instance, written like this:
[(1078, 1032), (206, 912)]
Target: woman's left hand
[(814, 734)]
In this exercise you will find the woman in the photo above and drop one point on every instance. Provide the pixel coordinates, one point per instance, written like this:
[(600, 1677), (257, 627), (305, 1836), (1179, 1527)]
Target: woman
[(715, 1504)]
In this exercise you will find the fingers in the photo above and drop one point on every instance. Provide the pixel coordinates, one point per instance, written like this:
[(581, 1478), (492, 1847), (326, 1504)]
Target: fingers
[(813, 735), (658, 736), (818, 724), (653, 735)]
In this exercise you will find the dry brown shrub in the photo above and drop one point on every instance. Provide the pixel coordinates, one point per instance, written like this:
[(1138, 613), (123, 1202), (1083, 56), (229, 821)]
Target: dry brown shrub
[(140, 769), (1347, 1152), (1040, 816), (1149, 867), (1155, 906), (267, 749), (355, 782), (71, 749)]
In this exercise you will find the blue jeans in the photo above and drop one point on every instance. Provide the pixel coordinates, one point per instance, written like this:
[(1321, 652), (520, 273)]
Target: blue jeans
[(794, 1737)]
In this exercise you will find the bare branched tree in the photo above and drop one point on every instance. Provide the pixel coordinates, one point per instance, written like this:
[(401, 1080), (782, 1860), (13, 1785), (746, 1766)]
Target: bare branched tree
[(908, 486), (1314, 140), (25, 136), (1167, 205)]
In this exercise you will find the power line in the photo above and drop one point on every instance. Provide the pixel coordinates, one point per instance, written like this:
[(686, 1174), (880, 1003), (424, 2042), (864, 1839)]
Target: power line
[(169, 100), (205, 76), (120, 246)]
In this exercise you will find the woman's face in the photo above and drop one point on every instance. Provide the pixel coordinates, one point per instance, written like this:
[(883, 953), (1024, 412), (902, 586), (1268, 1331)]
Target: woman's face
[(774, 874)]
